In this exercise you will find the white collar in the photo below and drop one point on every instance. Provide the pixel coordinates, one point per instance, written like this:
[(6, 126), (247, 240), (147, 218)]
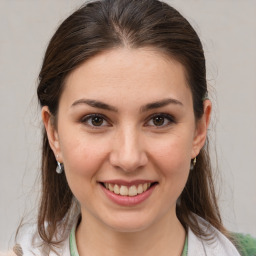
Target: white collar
[(219, 245)]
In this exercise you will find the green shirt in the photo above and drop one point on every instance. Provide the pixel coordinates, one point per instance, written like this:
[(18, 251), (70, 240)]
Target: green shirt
[(245, 244)]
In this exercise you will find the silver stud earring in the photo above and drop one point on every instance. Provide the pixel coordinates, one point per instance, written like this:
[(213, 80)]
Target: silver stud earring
[(59, 168), (192, 164)]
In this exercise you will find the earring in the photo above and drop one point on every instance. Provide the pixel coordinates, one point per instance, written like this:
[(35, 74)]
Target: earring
[(206, 97), (192, 164), (59, 168)]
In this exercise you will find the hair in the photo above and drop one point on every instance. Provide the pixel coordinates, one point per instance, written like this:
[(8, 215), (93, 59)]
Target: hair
[(104, 25)]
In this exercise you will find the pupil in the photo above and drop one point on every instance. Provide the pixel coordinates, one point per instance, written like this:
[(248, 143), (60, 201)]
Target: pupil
[(158, 120), (97, 121)]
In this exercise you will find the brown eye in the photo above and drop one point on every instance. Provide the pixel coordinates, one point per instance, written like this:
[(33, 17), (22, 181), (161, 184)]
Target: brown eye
[(97, 121), (161, 120), (158, 120)]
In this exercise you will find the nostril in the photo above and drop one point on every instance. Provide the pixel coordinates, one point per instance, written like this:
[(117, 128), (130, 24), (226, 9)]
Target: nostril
[(128, 161)]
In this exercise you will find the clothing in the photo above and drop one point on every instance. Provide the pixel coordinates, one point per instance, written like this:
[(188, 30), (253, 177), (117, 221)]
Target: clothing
[(219, 245), (74, 251), (246, 244)]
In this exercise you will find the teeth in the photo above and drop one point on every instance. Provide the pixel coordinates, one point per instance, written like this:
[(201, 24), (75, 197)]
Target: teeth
[(140, 189), (133, 191), (110, 187), (124, 191), (127, 191), (116, 189)]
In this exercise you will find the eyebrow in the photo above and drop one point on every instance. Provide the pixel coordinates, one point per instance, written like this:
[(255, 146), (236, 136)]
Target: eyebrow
[(95, 104), (159, 104), (147, 107)]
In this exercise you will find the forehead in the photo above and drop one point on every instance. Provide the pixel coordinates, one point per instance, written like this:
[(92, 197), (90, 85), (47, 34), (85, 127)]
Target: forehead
[(144, 73)]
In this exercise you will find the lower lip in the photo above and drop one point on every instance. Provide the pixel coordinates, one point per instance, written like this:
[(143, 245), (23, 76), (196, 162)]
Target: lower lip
[(128, 200)]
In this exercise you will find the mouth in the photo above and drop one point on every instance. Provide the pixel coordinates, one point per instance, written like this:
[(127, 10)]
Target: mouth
[(128, 190)]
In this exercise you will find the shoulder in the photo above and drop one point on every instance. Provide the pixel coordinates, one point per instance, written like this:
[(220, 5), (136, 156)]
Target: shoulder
[(219, 244), (30, 244), (246, 244), (214, 244)]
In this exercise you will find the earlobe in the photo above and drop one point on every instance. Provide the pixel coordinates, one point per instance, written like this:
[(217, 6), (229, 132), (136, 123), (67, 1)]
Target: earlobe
[(201, 129), (51, 131)]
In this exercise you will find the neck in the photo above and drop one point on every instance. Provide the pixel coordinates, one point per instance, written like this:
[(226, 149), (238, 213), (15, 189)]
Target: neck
[(166, 237)]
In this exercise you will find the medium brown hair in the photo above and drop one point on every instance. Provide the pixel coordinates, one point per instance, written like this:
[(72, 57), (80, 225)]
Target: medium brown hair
[(99, 26)]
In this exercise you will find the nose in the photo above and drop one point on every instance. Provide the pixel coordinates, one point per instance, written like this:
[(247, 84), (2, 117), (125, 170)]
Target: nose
[(128, 151)]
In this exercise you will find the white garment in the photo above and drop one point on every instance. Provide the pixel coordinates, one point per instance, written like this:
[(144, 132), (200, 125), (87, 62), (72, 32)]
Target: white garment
[(219, 245), (31, 243)]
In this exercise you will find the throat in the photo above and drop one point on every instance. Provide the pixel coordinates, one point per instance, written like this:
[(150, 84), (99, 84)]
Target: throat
[(148, 242)]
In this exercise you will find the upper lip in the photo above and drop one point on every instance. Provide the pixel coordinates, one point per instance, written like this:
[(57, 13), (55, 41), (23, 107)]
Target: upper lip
[(127, 183)]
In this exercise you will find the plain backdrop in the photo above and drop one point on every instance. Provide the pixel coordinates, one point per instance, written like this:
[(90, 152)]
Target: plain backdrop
[(227, 29)]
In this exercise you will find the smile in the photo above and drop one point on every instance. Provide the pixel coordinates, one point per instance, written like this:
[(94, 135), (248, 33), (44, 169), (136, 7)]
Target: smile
[(123, 190), (126, 193)]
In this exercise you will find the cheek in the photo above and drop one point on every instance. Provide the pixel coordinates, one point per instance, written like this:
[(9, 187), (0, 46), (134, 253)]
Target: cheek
[(82, 159), (172, 160), (171, 156), (81, 154)]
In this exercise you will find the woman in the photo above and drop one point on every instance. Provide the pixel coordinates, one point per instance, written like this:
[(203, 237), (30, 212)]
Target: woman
[(125, 165)]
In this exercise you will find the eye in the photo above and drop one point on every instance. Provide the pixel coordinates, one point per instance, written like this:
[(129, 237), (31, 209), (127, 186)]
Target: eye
[(95, 120), (160, 120)]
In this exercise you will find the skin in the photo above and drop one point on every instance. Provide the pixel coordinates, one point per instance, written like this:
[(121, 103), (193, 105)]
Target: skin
[(128, 145)]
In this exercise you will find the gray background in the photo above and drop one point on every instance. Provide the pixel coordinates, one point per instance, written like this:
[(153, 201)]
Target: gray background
[(228, 31)]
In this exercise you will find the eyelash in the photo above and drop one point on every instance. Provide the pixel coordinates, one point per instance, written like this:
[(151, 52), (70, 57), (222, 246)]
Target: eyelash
[(170, 120), (89, 118)]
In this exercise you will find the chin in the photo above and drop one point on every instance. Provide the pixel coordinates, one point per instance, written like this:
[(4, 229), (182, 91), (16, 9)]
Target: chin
[(129, 224), (128, 227)]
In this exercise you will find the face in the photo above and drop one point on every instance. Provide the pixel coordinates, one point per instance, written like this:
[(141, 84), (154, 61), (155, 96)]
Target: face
[(126, 123)]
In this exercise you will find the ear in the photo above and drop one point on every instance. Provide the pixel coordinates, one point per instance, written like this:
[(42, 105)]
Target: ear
[(201, 129), (52, 132)]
